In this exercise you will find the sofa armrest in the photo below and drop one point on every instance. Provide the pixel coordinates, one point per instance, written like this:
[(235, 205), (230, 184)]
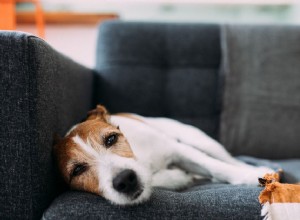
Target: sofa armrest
[(42, 92)]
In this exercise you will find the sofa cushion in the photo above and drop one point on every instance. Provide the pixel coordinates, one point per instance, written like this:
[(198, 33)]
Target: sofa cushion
[(262, 91), (208, 201), (158, 69), (213, 201), (291, 173)]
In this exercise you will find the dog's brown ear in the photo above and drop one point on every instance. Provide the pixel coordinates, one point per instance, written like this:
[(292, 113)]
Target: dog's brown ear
[(57, 139), (61, 185), (100, 112)]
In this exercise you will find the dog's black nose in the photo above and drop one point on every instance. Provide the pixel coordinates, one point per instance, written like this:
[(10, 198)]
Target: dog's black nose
[(126, 182)]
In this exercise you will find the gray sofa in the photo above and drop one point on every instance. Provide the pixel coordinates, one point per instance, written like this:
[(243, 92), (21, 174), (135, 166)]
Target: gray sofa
[(240, 84)]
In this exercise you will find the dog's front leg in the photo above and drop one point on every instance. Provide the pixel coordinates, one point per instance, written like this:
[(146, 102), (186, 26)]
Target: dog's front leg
[(197, 162), (173, 179)]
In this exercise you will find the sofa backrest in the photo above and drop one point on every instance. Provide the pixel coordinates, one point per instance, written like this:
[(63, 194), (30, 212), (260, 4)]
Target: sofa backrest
[(261, 104), (168, 70), (175, 70)]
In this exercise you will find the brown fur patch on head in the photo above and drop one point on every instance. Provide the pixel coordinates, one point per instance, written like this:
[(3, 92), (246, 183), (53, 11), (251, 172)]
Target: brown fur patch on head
[(67, 156)]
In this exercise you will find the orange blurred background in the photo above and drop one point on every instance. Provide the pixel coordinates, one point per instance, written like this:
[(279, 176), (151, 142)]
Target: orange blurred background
[(70, 26)]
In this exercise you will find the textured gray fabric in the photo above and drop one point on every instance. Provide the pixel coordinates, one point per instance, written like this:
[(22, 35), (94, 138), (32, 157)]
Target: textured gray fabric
[(213, 201), (262, 91), (41, 92), (290, 167), (158, 69), (260, 162), (208, 201), (291, 171)]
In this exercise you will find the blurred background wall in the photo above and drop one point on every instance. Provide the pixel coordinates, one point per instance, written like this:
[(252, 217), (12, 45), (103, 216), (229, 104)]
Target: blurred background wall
[(78, 39)]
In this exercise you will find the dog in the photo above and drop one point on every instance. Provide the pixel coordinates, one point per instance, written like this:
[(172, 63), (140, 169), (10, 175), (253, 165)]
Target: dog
[(122, 157)]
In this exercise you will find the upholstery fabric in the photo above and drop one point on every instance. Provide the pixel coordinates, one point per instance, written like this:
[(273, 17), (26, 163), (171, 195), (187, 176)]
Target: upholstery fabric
[(208, 201), (203, 202), (157, 69), (41, 92), (262, 91), (289, 166)]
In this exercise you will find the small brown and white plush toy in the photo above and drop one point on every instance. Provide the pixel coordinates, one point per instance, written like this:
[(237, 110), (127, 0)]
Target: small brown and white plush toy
[(280, 201)]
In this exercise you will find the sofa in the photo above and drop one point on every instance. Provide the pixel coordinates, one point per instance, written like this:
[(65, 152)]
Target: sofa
[(239, 84)]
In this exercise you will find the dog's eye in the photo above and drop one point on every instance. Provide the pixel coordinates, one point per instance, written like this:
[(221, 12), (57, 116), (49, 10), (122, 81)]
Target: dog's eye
[(111, 140), (79, 169)]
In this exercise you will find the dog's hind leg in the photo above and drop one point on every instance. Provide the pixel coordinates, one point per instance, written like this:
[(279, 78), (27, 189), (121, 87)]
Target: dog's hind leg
[(195, 161), (192, 136)]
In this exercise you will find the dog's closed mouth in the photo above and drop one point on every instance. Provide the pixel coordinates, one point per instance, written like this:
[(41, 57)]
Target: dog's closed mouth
[(137, 194)]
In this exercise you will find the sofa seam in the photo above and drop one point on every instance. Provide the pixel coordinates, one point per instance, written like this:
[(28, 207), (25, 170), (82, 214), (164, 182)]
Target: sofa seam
[(32, 105)]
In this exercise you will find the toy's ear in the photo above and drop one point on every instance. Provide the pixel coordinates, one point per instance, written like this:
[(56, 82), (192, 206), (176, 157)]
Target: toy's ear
[(99, 113)]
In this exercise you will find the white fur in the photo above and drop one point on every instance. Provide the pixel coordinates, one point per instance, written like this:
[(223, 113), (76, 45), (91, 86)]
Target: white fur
[(155, 144), (115, 164), (74, 127), (173, 179), (85, 146)]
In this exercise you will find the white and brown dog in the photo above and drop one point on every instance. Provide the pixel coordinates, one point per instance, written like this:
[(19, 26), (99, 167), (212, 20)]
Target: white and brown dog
[(121, 157)]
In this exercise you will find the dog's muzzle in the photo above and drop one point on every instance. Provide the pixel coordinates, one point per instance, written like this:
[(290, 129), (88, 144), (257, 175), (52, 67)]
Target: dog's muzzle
[(127, 182)]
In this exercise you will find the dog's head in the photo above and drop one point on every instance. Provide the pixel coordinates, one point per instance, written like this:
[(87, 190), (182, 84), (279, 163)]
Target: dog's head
[(96, 157)]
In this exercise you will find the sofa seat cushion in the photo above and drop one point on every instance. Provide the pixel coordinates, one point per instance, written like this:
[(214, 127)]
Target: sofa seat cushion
[(208, 201), (290, 167), (291, 170), (212, 201)]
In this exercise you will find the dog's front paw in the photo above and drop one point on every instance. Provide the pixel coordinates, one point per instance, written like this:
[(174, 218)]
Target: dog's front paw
[(250, 176), (183, 180)]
